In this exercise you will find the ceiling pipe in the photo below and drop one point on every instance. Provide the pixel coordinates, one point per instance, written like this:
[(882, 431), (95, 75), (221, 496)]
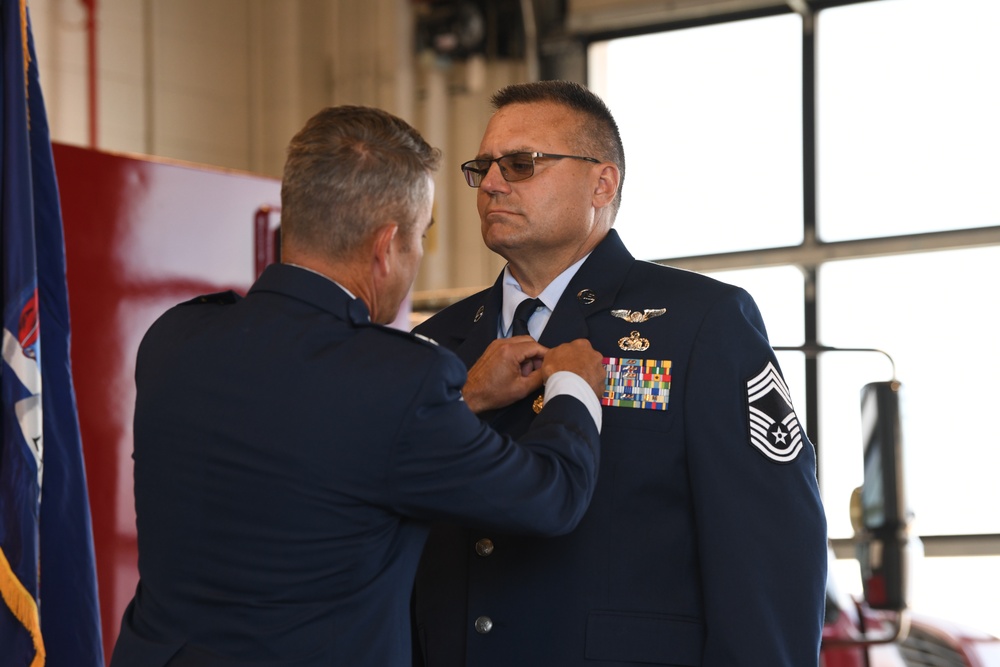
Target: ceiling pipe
[(91, 7), (530, 39)]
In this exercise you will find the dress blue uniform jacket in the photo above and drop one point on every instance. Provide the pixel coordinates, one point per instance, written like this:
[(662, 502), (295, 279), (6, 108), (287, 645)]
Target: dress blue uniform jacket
[(705, 542), (289, 456)]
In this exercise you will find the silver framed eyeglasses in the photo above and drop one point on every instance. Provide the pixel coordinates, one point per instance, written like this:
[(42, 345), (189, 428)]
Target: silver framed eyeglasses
[(514, 167)]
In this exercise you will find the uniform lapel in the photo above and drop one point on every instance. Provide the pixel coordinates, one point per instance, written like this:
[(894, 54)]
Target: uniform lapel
[(484, 328), (592, 290)]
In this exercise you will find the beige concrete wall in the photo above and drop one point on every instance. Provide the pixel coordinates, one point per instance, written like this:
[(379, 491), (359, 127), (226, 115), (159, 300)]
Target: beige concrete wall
[(220, 82), (228, 82)]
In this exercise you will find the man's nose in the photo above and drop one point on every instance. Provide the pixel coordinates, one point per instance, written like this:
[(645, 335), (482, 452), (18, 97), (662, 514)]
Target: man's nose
[(494, 181)]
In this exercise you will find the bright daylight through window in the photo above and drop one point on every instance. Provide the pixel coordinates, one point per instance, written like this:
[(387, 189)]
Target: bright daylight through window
[(906, 145)]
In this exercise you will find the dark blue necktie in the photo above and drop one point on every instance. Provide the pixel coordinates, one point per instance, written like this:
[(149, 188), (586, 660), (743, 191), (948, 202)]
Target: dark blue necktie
[(522, 314)]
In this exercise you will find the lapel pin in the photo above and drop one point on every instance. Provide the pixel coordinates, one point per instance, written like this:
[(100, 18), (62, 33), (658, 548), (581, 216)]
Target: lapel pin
[(586, 296), (479, 314)]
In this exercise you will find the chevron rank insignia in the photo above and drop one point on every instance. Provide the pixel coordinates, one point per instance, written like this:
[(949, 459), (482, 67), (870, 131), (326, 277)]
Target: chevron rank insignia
[(774, 428), (636, 383)]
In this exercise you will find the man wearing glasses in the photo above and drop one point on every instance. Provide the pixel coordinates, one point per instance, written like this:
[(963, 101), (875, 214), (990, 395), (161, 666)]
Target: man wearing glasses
[(705, 543)]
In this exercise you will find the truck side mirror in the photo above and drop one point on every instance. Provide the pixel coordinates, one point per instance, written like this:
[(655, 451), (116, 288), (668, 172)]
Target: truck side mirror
[(881, 514)]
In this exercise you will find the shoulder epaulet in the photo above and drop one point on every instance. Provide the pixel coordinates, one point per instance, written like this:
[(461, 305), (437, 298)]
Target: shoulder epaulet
[(408, 335), (219, 298), (424, 338)]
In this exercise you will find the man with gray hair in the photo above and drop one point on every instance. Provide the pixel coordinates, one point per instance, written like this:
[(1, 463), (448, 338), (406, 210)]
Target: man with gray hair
[(291, 451)]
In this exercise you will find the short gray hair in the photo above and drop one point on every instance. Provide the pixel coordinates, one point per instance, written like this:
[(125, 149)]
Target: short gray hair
[(348, 170)]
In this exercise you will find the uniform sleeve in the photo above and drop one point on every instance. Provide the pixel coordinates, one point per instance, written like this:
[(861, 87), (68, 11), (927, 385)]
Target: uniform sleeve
[(760, 522), (565, 382), (449, 465)]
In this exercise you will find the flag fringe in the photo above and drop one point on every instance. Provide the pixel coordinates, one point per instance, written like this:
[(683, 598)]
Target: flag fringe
[(22, 605), (24, 40)]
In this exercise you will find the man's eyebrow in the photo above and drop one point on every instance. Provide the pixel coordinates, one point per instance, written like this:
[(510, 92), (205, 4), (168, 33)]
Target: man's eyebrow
[(487, 156)]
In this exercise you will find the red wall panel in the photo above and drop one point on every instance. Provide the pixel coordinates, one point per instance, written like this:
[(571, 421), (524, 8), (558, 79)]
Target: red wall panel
[(141, 236)]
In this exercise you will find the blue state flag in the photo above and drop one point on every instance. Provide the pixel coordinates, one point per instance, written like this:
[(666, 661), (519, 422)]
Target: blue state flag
[(49, 612)]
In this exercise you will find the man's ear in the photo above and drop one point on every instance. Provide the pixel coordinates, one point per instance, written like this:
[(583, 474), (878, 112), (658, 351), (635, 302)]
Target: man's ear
[(607, 185), (382, 248)]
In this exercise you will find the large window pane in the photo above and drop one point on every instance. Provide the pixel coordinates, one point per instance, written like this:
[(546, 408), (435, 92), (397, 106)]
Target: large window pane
[(935, 314), (779, 294), (711, 122), (907, 113), (960, 589)]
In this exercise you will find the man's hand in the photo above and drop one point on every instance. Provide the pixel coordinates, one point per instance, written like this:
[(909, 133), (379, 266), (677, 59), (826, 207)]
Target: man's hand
[(509, 370), (577, 357)]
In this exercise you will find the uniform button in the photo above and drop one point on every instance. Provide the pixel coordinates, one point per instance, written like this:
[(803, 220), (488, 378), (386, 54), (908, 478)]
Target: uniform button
[(484, 624), (484, 547)]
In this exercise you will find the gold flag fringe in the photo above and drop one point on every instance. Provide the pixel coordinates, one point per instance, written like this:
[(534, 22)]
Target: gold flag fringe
[(22, 605)]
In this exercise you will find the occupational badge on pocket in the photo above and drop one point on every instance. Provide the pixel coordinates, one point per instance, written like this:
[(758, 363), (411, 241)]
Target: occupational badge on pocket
[(636, 383), (634, 342)]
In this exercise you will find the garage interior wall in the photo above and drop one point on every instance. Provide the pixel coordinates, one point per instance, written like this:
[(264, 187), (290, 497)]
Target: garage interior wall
[(228, 82)]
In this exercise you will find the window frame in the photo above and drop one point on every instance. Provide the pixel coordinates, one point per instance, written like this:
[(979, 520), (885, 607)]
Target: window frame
[(812, 252)]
